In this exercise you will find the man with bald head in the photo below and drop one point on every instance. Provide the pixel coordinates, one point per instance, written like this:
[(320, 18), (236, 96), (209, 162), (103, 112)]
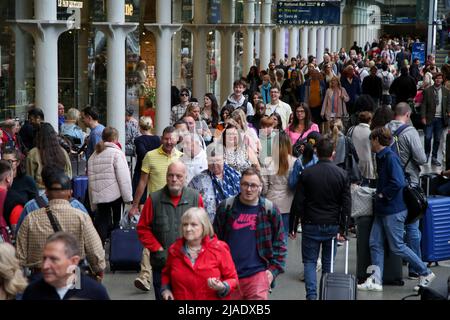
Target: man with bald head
[(159, 225)]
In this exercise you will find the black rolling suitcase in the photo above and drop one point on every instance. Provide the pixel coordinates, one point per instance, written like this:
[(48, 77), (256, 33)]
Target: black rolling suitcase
[(338, 286), (430, 183), (393, 265)]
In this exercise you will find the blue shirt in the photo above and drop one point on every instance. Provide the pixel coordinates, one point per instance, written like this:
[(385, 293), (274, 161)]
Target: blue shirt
[(242, 241), (32, 205), (94, 137), (72, 130), (298, 169)]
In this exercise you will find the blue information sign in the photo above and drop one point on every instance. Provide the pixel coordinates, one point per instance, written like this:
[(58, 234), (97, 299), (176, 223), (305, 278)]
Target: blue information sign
[(418, 51), (308, 12)]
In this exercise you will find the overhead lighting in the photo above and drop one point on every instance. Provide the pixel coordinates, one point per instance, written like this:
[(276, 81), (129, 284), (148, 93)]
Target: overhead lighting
[(143, 33)]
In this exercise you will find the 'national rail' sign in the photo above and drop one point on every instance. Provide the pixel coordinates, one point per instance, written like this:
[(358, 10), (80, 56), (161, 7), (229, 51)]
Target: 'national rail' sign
[(308, 12)]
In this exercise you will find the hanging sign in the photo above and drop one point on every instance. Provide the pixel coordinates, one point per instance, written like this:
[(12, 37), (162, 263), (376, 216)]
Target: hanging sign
[(308, 12)]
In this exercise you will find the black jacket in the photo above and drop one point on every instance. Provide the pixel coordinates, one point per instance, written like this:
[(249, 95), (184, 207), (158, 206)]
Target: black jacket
[(89, 290), (404, 88), (322, 196), (372, 86)]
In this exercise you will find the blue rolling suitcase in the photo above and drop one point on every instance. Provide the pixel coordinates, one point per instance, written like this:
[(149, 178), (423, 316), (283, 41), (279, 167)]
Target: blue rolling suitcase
[(80, 188), (125, 250), (436, 230), (338, 286)]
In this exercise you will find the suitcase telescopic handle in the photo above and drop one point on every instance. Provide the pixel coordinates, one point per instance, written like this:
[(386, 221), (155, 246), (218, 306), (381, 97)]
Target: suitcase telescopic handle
[(346, 255)]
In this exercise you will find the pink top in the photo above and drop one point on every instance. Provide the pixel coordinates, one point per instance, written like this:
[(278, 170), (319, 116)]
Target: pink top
[(295, 135)]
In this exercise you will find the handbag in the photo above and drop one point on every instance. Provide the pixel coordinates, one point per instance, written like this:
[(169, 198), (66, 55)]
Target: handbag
[(415, 200), (350, 162), (362, 204)]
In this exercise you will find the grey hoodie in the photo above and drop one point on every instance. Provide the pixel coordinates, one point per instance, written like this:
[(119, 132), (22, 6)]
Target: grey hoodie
[(410, 147)]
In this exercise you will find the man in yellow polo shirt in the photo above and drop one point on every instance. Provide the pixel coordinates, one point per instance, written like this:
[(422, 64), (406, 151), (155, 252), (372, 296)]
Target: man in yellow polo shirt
[(153, 174)]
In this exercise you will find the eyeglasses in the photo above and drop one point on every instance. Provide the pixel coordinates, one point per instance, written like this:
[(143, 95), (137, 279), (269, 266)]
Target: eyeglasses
[(252, 186), (184, 95), (301, 111)]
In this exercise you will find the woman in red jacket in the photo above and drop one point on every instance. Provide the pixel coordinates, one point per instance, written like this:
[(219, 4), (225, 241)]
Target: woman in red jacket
[(199, 266)]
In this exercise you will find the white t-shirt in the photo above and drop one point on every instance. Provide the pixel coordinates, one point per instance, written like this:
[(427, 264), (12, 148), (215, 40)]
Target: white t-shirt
[(283, 109)]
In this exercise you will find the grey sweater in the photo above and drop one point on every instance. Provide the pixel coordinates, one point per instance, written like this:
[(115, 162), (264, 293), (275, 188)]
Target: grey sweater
[(410, 147)]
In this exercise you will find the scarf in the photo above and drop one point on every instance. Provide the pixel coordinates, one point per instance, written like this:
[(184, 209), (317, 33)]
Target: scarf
[(228, 186)]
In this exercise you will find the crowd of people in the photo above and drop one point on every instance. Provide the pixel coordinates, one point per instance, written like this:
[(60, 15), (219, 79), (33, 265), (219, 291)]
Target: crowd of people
[(226, 185)]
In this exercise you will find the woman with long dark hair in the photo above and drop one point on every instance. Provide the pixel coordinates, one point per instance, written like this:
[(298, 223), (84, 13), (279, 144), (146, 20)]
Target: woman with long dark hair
[(301, 124), (47, 152), (210, 110)]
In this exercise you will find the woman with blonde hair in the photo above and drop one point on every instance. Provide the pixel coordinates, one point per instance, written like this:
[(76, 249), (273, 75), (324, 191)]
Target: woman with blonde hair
[(144, 143), (250, 134), (199, 266), (70, 127), (344, 149), (333, 106), (12, 281), (280, 165), (109, 182)]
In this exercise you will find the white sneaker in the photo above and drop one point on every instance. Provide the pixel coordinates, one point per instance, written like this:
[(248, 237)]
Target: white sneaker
[(370, 285), (142, 284), (425, 281)]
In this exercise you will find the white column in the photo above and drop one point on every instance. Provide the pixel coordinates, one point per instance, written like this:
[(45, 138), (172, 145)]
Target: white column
[(280, 43), (163, 30), (199, 49), (328, 38), (334, 39), (249, 35), (45, 30), (312, 41), (227, 50), (176, 45), (304, 42), (266, 34), (116, 31), (293, 41), (23, 42), (339, 38), (256, 30), (320, 44)]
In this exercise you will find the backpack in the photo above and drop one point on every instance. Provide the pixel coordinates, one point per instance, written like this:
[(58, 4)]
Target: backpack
[(243, 106), (268, 205), (386, 81)]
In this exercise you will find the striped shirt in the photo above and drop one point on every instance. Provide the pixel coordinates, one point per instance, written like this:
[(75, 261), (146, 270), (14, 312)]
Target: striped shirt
[(155, 164), (36, 228)]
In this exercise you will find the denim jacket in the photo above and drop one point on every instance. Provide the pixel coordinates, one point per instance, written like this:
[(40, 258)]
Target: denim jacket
[(391, 181)]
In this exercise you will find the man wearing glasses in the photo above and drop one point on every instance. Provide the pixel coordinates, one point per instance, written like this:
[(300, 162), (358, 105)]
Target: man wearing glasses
[(252, 227), (180, 109), (278, 106)]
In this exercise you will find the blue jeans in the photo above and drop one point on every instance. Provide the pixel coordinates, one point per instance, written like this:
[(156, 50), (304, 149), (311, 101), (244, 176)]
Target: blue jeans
[(412, 239), (313, 236), (392, 227), (433, 130), (157, 284)]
